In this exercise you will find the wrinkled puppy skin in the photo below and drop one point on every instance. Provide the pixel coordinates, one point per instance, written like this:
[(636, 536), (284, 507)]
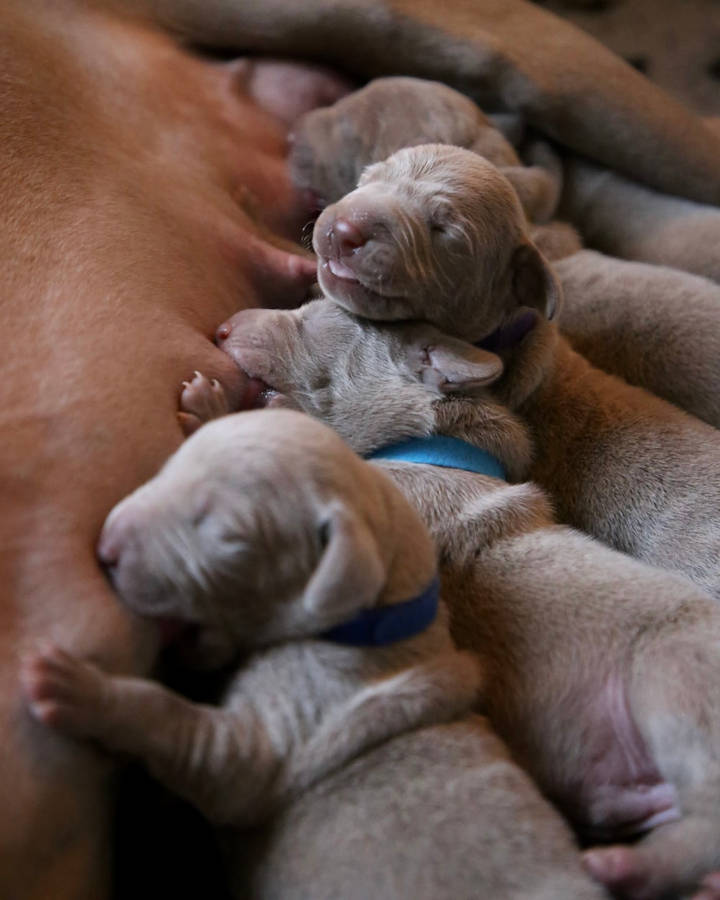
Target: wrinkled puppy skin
[(427, 223), (332, 146), (601, 671), (266, 526)]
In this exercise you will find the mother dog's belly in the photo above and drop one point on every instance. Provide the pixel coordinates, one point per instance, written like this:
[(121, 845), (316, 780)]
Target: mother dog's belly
[(143, 200)]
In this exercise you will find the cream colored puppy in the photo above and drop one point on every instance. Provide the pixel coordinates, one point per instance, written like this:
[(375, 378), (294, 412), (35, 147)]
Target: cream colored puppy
[(654, 326), (632, 221), (601, 670), (346, 737), (435, 233), (332, 146)]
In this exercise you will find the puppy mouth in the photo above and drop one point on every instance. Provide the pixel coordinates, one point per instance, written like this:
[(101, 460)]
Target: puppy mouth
[(259, 394), (336, 277)]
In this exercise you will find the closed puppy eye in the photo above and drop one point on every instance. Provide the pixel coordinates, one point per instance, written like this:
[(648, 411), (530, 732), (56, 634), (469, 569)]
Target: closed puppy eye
[(324, 533)]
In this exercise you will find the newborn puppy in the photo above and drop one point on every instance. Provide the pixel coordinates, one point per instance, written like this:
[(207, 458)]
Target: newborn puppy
[(654, 326), (434, 233), (332, 146), (601, 671), (626, 219), (346, 739), (430, 223)]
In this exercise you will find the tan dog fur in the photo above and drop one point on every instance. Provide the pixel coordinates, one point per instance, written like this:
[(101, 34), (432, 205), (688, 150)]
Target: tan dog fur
[(596, 664), (144, 197), (654, 326), (332, 146), (626, 219), (618, 463), (339, 756)]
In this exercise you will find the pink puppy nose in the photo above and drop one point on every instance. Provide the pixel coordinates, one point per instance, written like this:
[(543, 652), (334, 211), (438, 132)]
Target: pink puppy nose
[(345, 237), (223, 332)]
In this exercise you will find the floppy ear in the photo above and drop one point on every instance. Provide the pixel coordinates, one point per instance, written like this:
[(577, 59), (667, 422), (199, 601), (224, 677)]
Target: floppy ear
[(453, 366), (533, 281), (350, 574)]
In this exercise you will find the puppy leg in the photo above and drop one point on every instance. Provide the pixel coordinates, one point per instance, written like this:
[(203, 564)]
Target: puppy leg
[(675, 704), (202, 753)]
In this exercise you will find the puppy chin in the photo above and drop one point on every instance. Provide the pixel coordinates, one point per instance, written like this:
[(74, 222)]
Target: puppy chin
[(358, 299)]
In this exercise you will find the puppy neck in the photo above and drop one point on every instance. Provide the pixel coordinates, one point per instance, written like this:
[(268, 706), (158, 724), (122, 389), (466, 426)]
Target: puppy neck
[(528, 364)]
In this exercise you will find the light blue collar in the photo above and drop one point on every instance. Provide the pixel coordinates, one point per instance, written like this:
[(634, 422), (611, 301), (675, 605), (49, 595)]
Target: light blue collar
[(388, 624), (441, 450)]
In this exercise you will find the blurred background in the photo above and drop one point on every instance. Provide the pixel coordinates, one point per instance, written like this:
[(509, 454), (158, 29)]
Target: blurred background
[(676, 43)]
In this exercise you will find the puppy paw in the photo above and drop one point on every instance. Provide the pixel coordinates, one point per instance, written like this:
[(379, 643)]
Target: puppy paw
[(201, 401), (64, 692)]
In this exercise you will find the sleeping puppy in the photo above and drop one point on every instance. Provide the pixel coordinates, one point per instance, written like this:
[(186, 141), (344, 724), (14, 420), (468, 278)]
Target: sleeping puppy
[(346, 738), (601, 671), (332, 146), (654, 326), (436, 233), (626, 219)]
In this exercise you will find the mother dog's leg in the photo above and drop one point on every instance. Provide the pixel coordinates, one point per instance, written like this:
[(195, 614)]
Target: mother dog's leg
[(507, 54), (129, 171)]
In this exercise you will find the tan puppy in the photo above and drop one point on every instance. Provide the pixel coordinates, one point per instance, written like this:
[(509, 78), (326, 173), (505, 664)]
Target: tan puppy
[(266, 529), (332, 146), (626, 219), (656, 327), (601, 670), (429, 221), (435, 233)]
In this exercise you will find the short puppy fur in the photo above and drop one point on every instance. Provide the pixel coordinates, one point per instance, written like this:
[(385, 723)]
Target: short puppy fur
[(601, 671), (332, 146), (353, 771), (436, 234)]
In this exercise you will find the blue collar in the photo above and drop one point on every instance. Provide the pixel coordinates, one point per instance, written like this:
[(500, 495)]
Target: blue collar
[(441, 450), (388, 624)]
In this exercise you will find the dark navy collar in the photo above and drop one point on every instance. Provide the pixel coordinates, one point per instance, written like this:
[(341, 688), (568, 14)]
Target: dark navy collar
[(507, 336), (442, 450), (388, 624)]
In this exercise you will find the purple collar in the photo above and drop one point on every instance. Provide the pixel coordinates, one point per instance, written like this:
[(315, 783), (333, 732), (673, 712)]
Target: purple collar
[(388, 624), (507, 336)]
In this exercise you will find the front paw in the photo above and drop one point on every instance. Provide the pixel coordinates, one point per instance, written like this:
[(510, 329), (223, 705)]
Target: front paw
[(201, 401), (64, 692)]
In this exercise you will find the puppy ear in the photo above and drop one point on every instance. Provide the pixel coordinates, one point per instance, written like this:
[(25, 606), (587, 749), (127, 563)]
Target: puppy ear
[(350, 574), (453, 366), (533, 281)]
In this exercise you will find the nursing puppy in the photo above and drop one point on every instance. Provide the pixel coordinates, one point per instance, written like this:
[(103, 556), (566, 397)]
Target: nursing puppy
[(331, 146), (632, 221), (338, 749), (654, 326), (436, 233), (601, 671)]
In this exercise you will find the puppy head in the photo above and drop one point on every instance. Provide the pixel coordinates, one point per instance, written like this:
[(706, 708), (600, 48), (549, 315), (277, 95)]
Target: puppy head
[(374, 384), (332, 146), (434, 233), (264, 527)]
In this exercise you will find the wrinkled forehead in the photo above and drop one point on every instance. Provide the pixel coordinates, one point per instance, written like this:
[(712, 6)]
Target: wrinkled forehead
[(448, 175)]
